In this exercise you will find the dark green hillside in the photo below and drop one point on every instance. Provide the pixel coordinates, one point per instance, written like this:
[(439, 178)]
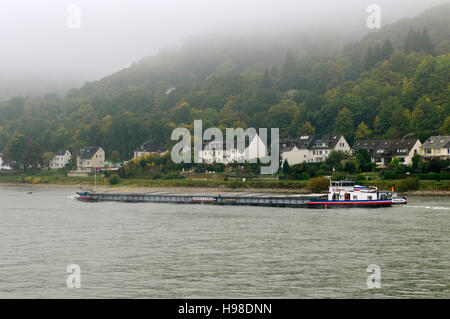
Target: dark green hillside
[(392, 83)]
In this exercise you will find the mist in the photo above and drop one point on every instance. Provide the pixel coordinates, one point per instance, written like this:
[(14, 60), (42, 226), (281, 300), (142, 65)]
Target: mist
[(43, 53)]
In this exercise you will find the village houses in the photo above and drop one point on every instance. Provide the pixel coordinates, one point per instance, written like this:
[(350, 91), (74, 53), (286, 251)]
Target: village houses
[(436, 147), (60, 159), (3, 167), (90, 158), (310, 149), (149, 147), (218, 152), (383, 151)]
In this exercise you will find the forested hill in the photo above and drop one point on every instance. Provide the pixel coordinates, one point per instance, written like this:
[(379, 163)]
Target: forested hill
[(392, 83)]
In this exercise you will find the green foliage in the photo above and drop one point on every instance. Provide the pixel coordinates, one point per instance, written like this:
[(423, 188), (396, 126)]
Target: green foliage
[(407, 184), (335, 158), (351, 166), (318, 184), (115, 157), (344, 123), (364, 162), (392, 83), (394, 163), (434, 165), (114, 180), (286, 168)]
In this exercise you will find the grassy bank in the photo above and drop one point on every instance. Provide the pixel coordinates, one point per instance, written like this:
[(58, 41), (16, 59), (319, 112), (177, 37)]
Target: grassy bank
[(401, 185), (60, 179)]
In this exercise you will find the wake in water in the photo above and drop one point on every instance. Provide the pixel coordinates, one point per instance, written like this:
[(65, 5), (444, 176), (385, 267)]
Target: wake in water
[(430, 207)]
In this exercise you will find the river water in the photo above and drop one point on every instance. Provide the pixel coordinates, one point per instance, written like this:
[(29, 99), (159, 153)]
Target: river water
[(149, 250)]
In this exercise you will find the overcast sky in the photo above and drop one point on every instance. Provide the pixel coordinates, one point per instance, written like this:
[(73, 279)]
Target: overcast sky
[(38, 46)]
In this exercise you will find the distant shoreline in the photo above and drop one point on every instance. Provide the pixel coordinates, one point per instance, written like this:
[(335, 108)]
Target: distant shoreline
[(206, 190)]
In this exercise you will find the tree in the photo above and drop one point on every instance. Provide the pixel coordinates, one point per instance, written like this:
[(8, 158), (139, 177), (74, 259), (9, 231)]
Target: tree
[(115, 157), (434, 165), (394, 163), (386, 50), (424, 118), (445, 128), (363, 158), (344, 124), (306, 129), (46, 158), (362, 131), (410, 41), (415, 161), (350, 166), (22, 152), (266, 81), (370, 58), (425, 41), (286, 168), (335, 158), (288, 71), (281, 115), (3, 137)]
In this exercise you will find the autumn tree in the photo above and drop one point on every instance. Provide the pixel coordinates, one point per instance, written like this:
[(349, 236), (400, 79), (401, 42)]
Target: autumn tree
[(306, 129), (344, 124), (362, 131)]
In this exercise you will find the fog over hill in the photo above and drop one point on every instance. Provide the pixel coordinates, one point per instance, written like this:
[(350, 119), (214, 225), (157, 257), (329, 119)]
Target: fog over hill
[(41, 54)]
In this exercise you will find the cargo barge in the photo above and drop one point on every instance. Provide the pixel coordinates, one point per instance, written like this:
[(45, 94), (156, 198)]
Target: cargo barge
[(341, 194)]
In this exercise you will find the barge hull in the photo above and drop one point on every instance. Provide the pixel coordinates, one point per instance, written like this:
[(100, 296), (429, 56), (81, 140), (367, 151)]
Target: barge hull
[(262, 200)]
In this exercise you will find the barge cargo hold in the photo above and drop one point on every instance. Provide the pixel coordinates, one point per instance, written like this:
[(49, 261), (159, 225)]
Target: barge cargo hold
[(241, 199)]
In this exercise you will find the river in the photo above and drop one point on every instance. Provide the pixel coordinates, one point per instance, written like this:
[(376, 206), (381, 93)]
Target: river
[(151, 250)]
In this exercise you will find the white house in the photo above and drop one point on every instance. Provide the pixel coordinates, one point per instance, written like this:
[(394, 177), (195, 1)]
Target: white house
[(215, 152), (3, 167), (383, 151), (90, 158), (61, 159), (309, 149), (436, 147)]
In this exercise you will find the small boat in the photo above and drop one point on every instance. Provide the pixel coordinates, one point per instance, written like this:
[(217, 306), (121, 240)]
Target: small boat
[(348, 194), (399, 201), (83, 196)]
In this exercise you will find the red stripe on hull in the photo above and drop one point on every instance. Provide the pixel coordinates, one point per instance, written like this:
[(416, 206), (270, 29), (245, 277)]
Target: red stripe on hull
[(348, 203)]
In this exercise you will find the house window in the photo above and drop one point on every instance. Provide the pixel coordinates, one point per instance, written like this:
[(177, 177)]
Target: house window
[(355, 197), (401, 159), (428, 151), (437, 151)]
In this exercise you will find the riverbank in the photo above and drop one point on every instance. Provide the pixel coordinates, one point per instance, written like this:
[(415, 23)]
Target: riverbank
[(206, 187)]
